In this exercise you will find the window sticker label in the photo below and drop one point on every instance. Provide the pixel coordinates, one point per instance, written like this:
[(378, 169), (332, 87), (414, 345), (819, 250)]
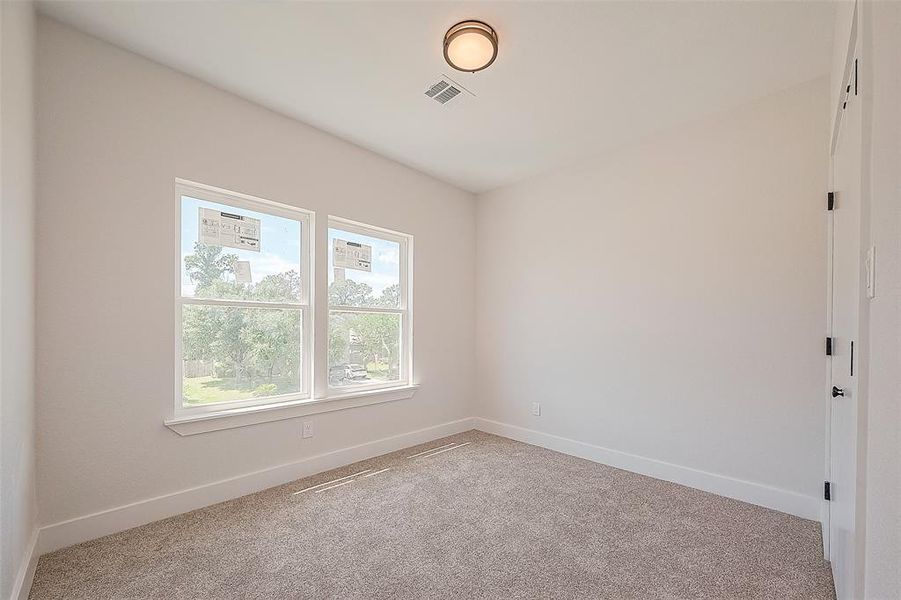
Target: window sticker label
[(242, 271), (228, 229), (351, 255)]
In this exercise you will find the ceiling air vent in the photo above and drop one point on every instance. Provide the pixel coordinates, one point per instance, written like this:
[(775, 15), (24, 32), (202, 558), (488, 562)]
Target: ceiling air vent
[(442, 92)]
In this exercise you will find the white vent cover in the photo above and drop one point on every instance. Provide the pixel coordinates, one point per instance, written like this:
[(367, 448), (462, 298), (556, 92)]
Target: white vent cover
[(445, 90)]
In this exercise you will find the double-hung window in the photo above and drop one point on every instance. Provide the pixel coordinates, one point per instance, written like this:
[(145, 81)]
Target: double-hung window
[(243, 301), (369, 339)]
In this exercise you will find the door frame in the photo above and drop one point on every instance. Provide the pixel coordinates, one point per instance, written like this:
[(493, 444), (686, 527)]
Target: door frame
[(825, 516)]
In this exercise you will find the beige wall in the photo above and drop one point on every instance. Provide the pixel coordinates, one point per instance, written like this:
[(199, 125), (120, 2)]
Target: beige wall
[(668, 301), (881, 30), (114, 131), (17, 463)]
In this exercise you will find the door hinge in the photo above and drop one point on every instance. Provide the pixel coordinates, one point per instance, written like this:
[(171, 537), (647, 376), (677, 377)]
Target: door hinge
[(855, 76), (827, 491), (828, 346), (830, 201)]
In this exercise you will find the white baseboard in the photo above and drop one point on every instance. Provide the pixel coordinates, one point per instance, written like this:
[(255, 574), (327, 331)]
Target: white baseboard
[(89, 527), (22, 584), (793, 503), (80, 529)]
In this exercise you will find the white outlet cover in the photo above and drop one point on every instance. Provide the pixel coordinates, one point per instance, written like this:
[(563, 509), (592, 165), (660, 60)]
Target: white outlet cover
[(536, 409), (307, 429)]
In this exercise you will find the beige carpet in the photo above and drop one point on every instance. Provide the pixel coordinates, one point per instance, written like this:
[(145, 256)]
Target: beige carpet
[(486, 518)]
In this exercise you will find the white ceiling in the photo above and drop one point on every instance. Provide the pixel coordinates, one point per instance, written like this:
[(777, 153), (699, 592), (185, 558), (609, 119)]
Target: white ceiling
[(571, 80)]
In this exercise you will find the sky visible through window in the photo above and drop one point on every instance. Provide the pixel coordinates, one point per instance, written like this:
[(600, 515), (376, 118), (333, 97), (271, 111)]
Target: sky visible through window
[(385, 261), (279, 241), (280, 248)]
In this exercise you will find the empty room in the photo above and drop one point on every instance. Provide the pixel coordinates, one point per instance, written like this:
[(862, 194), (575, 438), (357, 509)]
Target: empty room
[(428, 299)]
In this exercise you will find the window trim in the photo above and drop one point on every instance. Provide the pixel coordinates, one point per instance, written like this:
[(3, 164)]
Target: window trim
[(306, 305), (255, 415), (405, 310)]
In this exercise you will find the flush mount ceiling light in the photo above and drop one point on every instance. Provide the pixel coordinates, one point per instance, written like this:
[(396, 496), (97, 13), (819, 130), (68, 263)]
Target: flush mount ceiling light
[(470, 46)]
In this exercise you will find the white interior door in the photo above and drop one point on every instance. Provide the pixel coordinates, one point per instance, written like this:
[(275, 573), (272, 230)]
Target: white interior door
[(846, 281)]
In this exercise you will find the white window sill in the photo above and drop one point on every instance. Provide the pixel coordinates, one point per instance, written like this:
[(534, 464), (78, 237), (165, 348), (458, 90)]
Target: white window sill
[(253, 415)]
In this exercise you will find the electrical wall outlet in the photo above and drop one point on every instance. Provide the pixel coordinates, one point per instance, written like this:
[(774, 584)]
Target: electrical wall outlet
[(307, 429), (536, 409)]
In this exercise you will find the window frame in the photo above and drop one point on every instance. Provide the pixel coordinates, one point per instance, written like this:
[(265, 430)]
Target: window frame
[(305, 306), (405, 310)]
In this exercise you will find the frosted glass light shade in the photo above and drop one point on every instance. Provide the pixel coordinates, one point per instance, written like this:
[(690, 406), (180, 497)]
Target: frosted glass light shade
[(470, 46)]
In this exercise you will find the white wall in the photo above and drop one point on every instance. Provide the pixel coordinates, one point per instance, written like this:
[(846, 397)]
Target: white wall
[(668, 300), (114, 131), (17, 463), (881, 30)]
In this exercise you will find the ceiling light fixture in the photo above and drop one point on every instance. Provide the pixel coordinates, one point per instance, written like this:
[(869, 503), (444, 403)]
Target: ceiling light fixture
[(470, 46)]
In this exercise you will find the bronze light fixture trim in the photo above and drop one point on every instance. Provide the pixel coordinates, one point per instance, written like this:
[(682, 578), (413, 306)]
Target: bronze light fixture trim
[(470, 46)]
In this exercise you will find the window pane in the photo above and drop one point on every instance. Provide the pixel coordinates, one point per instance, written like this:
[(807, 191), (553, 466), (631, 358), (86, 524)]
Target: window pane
[(232, 353), (268, 271), (363, 348), (355, 281)]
